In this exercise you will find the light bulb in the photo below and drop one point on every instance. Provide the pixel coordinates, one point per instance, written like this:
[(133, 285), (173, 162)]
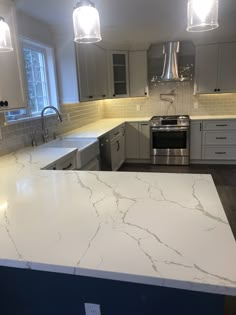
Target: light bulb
[(5, 37), (202, 15), (202, 8), (86, 23)]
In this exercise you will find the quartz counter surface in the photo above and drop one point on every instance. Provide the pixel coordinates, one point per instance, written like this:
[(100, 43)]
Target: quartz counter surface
[(213, 117), (158, 229), (101, 127)]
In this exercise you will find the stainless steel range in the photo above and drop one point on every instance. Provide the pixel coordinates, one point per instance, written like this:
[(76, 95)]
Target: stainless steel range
[(170, 140)]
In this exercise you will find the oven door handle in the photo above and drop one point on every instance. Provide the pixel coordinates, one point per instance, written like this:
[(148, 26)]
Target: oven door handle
[(169, 129)]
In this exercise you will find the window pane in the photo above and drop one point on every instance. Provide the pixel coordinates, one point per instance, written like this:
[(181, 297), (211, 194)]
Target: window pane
[(36, 79)]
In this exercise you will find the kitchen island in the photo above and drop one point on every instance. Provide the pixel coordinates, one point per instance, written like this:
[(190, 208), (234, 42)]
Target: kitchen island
[(165, 231)]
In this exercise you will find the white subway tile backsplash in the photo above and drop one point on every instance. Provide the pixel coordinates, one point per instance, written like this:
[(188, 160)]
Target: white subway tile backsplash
[(16, 136)]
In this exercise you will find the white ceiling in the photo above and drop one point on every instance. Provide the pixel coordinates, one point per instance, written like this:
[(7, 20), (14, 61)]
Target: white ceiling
[(137, 22)]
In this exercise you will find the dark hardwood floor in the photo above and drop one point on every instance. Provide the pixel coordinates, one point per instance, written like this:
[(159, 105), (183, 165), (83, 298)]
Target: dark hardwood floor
[(224, 177)]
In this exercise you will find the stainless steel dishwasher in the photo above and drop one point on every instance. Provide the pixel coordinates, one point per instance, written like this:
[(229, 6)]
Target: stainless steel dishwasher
[(105, 153)]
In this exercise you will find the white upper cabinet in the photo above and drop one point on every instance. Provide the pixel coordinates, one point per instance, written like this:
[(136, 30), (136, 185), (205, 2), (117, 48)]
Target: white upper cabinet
[(227, 68), (206, 69), (119, 66), (92, 72), (101, 73), (138, 73), (215, 69), (12, 83)]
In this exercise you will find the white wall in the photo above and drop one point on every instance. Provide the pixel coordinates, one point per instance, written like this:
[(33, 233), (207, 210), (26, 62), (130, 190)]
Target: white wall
[(34, 29)]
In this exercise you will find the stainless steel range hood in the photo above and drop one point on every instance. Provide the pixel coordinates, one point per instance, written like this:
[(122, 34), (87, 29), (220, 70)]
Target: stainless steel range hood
[(170, 71)]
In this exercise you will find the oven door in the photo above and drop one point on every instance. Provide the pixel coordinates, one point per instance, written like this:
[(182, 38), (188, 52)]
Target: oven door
[(170, 141)]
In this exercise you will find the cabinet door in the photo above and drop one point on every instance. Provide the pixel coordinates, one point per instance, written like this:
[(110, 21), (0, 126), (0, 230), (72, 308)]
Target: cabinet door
[(81, 55), (132, 141), (138, 73), (227, 68), (206, 69), (101, 73), (144, 141), (86, 68), (196, 140), (12, 83), (119, 62)]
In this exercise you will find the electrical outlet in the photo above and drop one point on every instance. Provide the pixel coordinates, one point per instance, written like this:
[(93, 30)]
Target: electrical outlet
[(92, 309), (138, 108)]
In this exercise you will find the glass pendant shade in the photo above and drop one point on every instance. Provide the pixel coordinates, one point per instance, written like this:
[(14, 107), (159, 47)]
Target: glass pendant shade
[(86, 23), (202, 15), (5, 37)]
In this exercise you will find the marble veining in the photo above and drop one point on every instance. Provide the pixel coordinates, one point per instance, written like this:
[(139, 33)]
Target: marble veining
[(158, 229)]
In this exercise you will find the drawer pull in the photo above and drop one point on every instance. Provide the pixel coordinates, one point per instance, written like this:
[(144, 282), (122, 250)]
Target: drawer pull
[(68, 167), (221, 125), (220, 153), (117, 133), (221, 138)]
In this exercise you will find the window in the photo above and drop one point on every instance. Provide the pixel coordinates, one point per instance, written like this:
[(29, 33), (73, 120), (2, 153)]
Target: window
[(40, 80)]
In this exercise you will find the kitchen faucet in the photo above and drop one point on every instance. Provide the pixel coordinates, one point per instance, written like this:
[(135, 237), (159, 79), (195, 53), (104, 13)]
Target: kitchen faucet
[(45, 131)]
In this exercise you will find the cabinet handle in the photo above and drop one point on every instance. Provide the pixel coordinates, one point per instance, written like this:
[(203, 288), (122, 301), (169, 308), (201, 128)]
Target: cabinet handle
[(144, 124), (114, 95), (221, 138), (215, 90), (123, 133), (221, 125), (117, 133), (118, 146), (67, 167), (220, 153), (90, 96), (218, 90), (104, 95), (145, 93)]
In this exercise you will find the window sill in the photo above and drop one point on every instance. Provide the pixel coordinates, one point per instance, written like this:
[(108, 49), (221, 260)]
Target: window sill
[(25, 119)]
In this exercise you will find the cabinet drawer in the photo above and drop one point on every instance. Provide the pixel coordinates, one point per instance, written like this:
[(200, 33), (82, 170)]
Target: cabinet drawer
[(117, 132), (219, 125), (219, 153), (219, 138)]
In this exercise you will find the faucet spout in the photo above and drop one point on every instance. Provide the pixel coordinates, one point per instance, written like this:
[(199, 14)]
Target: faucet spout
[(45, 131)]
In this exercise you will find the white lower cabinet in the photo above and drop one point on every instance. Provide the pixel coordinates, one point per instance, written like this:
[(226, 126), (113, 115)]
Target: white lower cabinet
[(213, 140), (137, 141)]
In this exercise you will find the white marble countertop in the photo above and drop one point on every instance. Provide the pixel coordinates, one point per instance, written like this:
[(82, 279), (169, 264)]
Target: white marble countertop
[(212, 117), (101, 127), (158, 229)]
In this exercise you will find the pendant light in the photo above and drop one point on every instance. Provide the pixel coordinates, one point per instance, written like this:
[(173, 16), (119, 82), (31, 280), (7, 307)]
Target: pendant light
[(202, 15), (5, 37), (86, 23)]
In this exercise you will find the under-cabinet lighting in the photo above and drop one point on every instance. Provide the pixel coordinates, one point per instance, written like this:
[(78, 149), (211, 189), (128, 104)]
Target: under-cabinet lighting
[(5, 37), (202, 15), (3, 206), (86, 23)]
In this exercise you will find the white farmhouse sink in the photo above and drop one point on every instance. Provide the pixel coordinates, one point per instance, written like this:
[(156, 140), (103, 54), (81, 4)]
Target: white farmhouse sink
[(87, 149)]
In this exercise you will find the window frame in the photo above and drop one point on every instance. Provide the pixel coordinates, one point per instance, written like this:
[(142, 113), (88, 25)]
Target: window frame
[(50, 77)]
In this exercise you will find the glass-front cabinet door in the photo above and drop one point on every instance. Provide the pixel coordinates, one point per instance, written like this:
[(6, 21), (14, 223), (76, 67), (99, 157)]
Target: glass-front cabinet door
[(120, 81)]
